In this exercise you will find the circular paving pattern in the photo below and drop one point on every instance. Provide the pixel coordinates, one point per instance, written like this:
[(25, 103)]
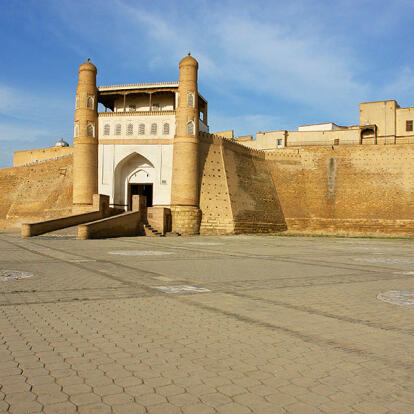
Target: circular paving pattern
[(7, 275), (398, 297), (139, 253)]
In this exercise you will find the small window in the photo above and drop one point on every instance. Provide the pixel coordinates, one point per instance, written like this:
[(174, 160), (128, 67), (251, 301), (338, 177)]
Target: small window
[(190, 99), (166, 128), (89, 102), (279, 142), (156, 107), (190, 128), (90, 130), (76, 131), (130, 129), (153, 129), (118, 129), (77, 102), (408, 125), (132, 108), (141, 129), (107, 129)]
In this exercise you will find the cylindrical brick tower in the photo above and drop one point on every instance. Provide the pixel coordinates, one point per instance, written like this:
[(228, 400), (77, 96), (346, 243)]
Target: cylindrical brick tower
[(85, 156), (185, 209)]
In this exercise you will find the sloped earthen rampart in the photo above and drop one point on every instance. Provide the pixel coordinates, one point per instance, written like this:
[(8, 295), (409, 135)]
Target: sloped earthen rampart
[(237, 193), (35, 192)]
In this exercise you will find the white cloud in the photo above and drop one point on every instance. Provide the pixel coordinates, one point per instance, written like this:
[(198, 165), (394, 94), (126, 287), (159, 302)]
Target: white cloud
[(249, 54), (24, 105)]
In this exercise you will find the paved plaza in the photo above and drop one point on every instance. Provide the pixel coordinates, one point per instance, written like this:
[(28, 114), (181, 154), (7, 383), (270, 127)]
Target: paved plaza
[(197, 325)]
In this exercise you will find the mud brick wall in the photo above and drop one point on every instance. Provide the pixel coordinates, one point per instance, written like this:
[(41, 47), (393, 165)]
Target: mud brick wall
[(237, 193), (346, 189), (36, 192), (29, 156), (215, 205)]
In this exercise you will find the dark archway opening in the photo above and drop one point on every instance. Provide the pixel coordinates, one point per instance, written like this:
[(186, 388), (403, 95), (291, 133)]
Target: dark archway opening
[(140, 189)]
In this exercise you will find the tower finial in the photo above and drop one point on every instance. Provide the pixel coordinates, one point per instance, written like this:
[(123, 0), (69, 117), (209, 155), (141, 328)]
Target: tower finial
[(189, 53), (89, 59)]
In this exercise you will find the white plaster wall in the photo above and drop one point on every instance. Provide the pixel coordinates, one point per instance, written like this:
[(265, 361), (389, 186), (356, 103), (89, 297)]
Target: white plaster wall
[(152, 166), (135, 119), (328, 126), (165, 102)]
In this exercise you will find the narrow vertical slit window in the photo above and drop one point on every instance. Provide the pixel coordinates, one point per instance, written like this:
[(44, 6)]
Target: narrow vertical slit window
[(107, 129), (118, 129), (141, 129), (166, 128), (190, 99), (409, 125)]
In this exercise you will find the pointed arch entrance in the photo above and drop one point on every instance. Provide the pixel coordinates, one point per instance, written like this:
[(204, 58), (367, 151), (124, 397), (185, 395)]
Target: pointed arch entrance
[(135, 174)]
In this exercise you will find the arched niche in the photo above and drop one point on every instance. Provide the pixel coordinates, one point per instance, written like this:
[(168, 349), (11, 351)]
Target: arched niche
[(133, 169)]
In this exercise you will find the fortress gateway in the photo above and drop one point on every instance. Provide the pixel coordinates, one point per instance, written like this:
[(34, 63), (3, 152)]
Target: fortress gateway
[(153, 141)]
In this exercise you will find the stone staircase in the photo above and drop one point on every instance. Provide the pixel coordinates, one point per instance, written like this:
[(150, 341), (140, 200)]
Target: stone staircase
[(151, 232)]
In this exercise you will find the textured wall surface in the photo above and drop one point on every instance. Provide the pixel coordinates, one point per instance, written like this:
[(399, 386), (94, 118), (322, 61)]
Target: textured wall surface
[(237, 191), (345, 190), (35, 192), (355, 189), (29, 156)]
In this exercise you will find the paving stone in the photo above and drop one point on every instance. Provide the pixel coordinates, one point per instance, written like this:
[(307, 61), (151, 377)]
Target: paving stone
[(19, 397), (74, 389), (150, 399), (117, 399), (234, 408), (163, 408), (85, 399), (139, 390), (96, 408), (169, 390), (25, 407), (198, 409), (231, 390), (60, 408), (109, 389), (300, 330), (128, 381), (130, 408)]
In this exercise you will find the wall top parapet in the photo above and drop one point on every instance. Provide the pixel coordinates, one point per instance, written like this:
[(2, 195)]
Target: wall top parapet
[(137, 86), (37, 162), (135, 113), (232, 143)]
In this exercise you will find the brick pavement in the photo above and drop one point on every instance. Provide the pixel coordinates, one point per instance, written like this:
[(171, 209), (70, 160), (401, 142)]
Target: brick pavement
[(289, 325)]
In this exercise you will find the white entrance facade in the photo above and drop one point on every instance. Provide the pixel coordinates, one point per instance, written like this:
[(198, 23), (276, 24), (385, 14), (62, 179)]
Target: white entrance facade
[(121, 166), (135, 140)]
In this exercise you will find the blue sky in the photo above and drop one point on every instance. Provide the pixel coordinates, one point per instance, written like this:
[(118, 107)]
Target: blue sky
[(264, 65)]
